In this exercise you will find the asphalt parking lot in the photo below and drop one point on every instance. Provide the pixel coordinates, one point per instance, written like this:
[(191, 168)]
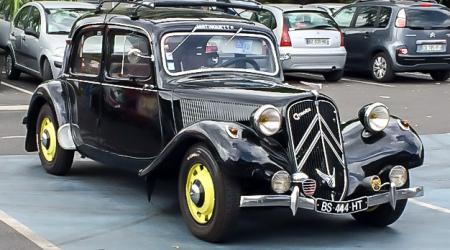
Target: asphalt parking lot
[(98, 207)]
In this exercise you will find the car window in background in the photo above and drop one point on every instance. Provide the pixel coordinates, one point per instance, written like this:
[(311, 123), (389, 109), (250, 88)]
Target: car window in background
[(428, 18), (21, 19), (34, 22), (89, 54), (366, 17), (130, 56), (265, 17), (309, 20), (60, 21), (385, 16), (344, 17)]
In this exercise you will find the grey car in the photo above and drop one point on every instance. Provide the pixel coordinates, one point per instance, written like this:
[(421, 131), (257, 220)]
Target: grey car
[(308, 37), (385, 37), (38, 37)]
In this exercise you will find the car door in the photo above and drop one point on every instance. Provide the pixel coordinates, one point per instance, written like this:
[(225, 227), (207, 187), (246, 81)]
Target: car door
[(30, 40), (84, 80), (130, 125), (4, 23), (18, 34), (362, 35), (344, 18)]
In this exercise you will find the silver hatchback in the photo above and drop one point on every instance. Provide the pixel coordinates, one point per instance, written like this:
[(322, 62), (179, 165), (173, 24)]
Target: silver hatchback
[(309, 39), (38, 37)]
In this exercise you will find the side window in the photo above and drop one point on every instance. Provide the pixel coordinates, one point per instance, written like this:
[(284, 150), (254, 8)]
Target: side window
[(344, 17), (266, 18), (385, 16), (88, 56), (366, 17), (34, 22), (129, 55), (20, 21)]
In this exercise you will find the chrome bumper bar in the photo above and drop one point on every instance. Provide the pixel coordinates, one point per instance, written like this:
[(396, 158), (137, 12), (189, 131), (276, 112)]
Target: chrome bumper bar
[(295, 201)]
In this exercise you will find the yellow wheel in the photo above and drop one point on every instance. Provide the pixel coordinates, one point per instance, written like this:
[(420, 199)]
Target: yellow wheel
[(54, 159), (200, 193), (209, 199)]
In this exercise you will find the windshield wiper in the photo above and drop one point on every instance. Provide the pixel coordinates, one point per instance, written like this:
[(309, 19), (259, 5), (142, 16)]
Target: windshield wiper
[(185, 39)]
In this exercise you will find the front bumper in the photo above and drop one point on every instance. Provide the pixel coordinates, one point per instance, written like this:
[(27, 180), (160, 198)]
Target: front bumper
[(295, 201)]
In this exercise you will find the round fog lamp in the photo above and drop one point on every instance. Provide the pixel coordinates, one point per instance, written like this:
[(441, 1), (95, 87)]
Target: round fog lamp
[(281, 182), (398, 175)]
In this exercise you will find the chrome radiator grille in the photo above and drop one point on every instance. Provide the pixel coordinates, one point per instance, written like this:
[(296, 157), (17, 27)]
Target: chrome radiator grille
[(316, 143)]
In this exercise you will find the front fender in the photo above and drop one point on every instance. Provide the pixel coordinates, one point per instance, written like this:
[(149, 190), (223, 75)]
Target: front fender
[(249, 155), (52, 93), (368, 156)]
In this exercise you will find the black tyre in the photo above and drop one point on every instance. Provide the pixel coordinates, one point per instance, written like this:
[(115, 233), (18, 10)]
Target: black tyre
[(209, 199), (381, 68), (382, 215), (46, 71), (11, 72), (333, 76), (441, 75), (54, 159)]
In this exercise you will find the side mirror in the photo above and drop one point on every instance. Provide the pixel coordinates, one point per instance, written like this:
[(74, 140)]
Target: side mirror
[(31, 32)]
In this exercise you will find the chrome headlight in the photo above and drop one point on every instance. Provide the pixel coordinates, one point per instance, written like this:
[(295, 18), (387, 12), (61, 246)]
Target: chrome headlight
[(375, 117), (398, 175), (267, 119), (281, 182)]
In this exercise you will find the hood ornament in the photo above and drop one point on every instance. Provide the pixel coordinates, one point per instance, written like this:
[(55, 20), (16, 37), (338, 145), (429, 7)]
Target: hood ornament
[(329, 179)]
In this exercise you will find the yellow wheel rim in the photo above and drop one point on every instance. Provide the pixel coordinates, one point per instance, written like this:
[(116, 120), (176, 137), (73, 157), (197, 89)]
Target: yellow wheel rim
[(200, 196), (47, 138)]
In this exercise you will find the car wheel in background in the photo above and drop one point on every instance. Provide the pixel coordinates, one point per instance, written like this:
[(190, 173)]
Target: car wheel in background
[(381, 68), (54, 159), (209, 199), (333, 76), (11, 72), (441, 75), (46, 71)]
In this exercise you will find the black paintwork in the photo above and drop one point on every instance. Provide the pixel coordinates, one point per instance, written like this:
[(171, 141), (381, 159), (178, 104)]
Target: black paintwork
[(109, 125)]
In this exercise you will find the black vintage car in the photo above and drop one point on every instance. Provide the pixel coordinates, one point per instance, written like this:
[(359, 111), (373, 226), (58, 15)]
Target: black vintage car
[(200, 95)]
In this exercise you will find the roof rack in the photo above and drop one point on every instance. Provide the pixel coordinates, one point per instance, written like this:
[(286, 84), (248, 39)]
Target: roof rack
[(227, 4)]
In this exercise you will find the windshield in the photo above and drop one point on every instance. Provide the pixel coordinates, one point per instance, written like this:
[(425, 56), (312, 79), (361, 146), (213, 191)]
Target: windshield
[(231, 51), (309, 20), (60, 21), (428, 18)]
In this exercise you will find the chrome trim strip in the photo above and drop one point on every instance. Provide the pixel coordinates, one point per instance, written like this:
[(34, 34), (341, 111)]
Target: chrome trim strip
[(110, 85), (306, 135), (310, 149), (275, 59), (332, 149), (329, 131), (295, 201)]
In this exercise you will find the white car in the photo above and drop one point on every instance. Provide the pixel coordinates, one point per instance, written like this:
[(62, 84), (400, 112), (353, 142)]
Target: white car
[(38, 37), (309, 39)]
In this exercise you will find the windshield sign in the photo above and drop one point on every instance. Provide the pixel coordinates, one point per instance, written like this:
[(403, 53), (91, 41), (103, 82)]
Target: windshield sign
[(232, 51), (60, 21)]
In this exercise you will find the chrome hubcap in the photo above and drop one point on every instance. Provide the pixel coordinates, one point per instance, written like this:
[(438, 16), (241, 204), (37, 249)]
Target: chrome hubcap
[(45, 139), (8, 64), (379, 67), (197, 193)]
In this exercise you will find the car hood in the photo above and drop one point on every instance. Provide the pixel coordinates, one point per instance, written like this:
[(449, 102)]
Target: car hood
[(56, 41)]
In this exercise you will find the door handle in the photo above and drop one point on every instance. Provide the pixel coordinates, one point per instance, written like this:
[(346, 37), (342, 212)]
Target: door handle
[(366, 35)]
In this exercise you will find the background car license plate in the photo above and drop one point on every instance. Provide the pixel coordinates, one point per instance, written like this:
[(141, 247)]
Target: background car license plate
[(424, 48), (318, 41), (341, 207)]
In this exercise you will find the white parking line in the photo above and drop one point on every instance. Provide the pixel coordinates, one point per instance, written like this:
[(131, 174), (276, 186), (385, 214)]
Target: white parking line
[(26, 232), (430, 206), (14, 108), (17, 88), (369, 83), (13, 137)]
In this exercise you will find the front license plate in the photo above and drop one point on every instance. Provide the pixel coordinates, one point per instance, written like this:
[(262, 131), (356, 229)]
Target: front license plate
[(427, 48), (341, 207), (318, 41)]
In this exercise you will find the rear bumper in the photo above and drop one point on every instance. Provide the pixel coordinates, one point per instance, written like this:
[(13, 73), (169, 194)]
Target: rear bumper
[(422, 63), (315, 60), (295, 201)]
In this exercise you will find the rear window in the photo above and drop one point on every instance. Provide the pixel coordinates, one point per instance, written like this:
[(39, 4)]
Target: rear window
[(309, 20), (428, 18)]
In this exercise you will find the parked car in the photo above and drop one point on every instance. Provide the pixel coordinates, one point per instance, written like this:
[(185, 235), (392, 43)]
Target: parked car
[(309, 39), (38, 37), (331, 8), (200, 95), (6, 14), (397, 36)]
